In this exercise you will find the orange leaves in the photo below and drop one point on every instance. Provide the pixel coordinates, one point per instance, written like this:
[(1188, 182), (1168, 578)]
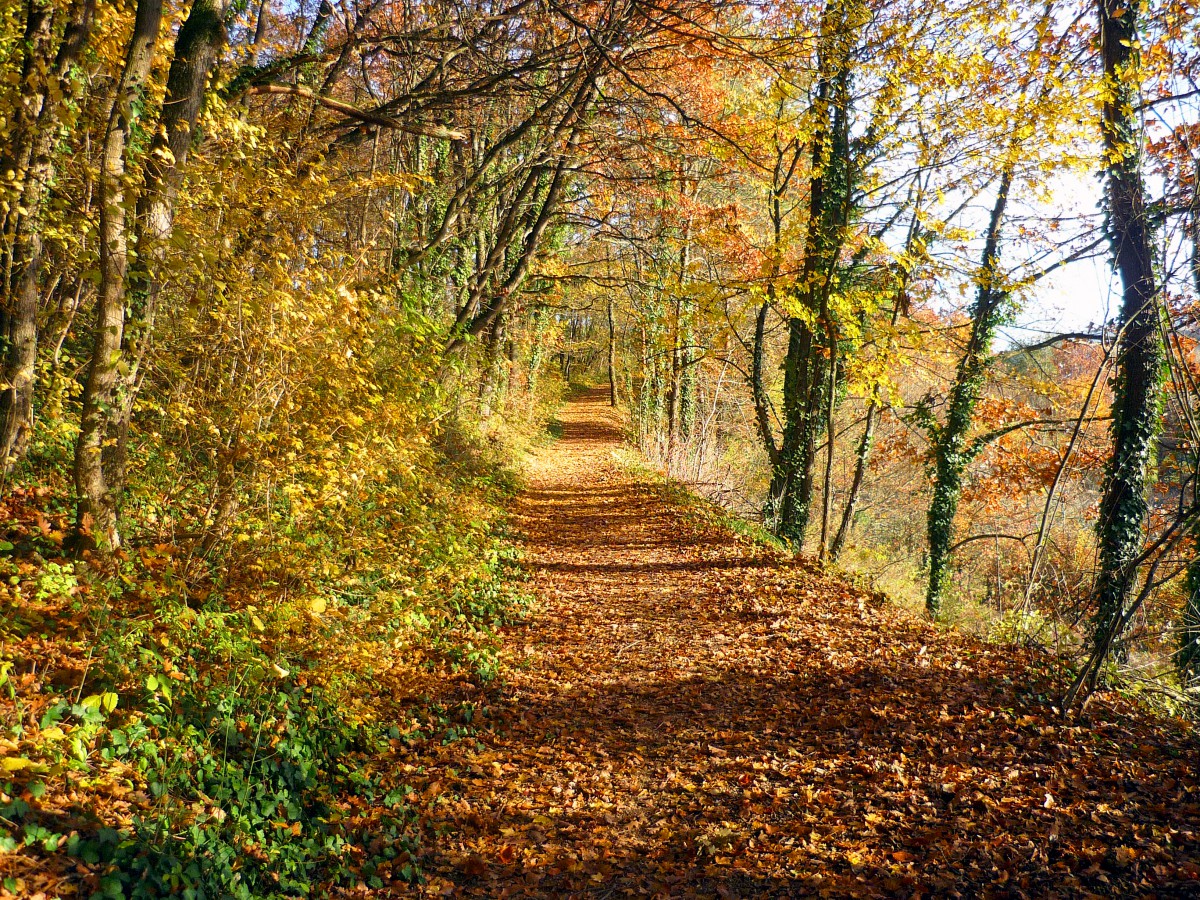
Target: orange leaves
[(700, 717)]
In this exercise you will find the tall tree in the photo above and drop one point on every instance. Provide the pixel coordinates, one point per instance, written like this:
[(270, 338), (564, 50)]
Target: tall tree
[(97, 514), (129, 295), (811, 364), (27, 161), (1138, 372), (951, 449)]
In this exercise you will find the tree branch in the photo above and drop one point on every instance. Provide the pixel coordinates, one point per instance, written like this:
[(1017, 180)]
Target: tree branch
[(433, 131)]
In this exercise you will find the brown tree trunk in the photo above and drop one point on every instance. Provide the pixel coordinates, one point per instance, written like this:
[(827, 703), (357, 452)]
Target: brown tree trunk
[(830, 446), (862, 457), (49, 88), (493, 362), (131, 296), (951, 450), (863, 454), (96, 518), (612, 356), (197, 48)]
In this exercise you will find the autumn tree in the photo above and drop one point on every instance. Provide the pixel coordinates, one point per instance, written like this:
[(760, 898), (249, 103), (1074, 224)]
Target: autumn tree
[(53, 38), (1137, 378)]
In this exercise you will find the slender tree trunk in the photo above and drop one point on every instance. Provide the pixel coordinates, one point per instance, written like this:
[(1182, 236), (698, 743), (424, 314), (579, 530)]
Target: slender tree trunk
[(1187, 658), (97, 513), (493, 363), (612, 356), (537, 352), (830, 433), (951, 451), (784, 171), (762, 410), (1043, 533), (687, 379), (862, 458), (49, 86), (673, 387), (1138, 372), (128, 299), (472, 322)]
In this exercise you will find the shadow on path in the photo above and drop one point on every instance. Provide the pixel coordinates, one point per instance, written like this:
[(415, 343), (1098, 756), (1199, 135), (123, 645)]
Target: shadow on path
[(689, 715)]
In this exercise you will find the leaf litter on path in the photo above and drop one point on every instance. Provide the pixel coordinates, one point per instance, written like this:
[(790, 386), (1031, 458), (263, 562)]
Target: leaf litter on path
[(689, 714)]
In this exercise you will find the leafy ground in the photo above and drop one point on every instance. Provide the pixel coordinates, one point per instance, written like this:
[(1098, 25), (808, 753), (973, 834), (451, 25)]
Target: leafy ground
[(692, 714)]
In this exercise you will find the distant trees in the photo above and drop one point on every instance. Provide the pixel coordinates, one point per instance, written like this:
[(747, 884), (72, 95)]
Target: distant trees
[(456, 132), (808, 252)]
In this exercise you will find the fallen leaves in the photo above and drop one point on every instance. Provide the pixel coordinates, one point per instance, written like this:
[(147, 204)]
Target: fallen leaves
[(692, 715)]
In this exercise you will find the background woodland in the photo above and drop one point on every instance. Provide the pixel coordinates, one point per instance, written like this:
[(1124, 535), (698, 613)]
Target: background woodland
[(288, 287)]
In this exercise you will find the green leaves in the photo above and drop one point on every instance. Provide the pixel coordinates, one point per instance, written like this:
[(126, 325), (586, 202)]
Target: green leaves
[(104, 703)]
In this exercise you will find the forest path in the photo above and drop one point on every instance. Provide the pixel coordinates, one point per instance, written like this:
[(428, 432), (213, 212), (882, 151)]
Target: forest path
[(688, 714)]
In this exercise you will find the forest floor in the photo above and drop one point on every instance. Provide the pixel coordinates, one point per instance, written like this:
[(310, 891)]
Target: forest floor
[(689, 713)]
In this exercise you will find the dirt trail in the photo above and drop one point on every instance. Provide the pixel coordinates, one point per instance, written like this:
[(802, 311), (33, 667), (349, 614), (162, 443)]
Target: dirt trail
[(691, 715)]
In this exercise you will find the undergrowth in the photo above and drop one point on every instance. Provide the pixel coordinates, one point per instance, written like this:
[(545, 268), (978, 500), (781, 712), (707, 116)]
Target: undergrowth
[(227, 724)]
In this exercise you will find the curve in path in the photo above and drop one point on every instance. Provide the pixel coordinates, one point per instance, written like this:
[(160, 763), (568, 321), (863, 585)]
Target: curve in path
[(689, 714)]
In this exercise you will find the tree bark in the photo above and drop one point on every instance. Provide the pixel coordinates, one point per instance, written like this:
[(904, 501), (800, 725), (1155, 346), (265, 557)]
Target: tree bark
[(1187, 658), (781, 178), (1138, 372), (490, 383), (612, 355), (30, 157), (827, 483), (96, 518), (861, 458), (197, 48), (128, 297), (951, 450)]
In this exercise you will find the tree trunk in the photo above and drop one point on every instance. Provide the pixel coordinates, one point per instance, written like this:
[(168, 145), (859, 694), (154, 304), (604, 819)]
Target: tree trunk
[(197, 48), (673, 388), (790, 493), (812, 358), (950, 451), (862, 457), (784, 170), (762, 410), (493, 362), (96, 520), (1187, 658), (1138, 372), (830, 433), (1043, 532), (687, 379), (49, 89), (863, 454), (612, 356)]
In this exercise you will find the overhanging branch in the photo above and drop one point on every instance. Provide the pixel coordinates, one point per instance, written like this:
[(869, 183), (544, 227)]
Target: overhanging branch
[(433, 131)]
